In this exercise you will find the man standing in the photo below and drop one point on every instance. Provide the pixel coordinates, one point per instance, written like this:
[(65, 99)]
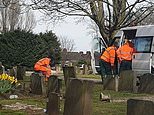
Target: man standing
[(124, 54), (107, 61)]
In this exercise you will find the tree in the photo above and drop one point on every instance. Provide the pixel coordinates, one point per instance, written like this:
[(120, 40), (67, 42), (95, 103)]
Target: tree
[(14, 15), (149, 20), (52, 45), (25, 48), (27, 20), (67, 44), (109, 15)]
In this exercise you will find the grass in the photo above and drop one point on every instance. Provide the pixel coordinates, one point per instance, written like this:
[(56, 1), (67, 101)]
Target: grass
[(99, 107), (91, 76)]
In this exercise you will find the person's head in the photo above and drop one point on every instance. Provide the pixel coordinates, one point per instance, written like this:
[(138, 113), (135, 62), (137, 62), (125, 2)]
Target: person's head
[(129, 42), (113, 43)]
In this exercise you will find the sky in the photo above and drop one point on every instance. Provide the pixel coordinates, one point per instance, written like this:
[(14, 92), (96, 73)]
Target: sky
[(69, 29)]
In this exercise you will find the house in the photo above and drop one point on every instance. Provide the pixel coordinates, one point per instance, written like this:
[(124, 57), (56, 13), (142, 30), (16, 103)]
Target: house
[(75, 57)]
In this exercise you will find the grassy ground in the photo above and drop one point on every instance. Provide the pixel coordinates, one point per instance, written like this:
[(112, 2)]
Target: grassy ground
[(99, 107)]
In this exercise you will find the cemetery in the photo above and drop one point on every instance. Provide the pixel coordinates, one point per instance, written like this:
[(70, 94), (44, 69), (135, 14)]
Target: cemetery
[(71, 93), (43, 67)]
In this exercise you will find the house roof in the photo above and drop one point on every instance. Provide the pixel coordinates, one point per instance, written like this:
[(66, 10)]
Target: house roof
[(76, 56)]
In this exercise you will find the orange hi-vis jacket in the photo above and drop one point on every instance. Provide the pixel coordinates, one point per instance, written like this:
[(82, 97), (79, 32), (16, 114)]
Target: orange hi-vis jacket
[(109, 55), (125, 52), (43, 66)]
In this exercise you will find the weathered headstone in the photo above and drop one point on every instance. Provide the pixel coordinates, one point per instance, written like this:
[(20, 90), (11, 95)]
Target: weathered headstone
[(12, 72), (110, 82), (140, 107), (78, 98), (146, 84), (84, 70), (53, 93), (36, 84), (69, 72), (77, 69), (20, 72), (53, 84), (53, 103), (126, 81)]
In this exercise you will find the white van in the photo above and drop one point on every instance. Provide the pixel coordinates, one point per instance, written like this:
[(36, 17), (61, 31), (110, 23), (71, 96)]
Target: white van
[(142, 37)]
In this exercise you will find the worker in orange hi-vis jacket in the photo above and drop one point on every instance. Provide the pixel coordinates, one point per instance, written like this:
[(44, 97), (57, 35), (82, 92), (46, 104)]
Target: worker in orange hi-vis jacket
[(124, 54), (107, 61), (43, 65)]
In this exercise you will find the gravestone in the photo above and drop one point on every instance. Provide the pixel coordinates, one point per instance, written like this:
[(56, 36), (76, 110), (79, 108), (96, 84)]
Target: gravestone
[(69, 72), (140, 107), (53, 95), (126, 81), (36, 84), (78, 98), (110, 82), (20, 72), (53, 103), (54, 84), (12, 72), (146, 84)]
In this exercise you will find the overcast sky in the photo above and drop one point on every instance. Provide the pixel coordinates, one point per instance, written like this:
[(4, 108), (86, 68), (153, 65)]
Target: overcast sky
[(71, 30)]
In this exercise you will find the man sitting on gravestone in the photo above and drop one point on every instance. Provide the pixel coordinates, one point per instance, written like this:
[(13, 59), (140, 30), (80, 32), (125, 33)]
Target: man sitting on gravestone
[(44, 66)]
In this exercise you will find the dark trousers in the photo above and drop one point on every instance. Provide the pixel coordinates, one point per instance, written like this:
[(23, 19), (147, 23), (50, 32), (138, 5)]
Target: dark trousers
[(125, 65), (105, 68)]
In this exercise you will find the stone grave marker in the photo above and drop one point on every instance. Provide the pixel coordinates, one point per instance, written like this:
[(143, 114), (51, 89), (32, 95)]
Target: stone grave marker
[(78, 98)]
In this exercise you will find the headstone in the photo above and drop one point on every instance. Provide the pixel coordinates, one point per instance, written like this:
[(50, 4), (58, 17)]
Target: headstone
[(126, 81), (36, 86), (77, 69), (53, 95), (84, 70), (140, 107), (43, 86), (53, 103), (146, 84), (53, 84), (20, 72), (78, 98), (69, 72), (110, 82), (12, 72)]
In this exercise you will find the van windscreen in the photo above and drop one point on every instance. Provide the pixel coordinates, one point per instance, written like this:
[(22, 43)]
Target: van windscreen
[(142, 44)]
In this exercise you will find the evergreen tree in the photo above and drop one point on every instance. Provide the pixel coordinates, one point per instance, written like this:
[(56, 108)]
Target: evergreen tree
[(25, 48)]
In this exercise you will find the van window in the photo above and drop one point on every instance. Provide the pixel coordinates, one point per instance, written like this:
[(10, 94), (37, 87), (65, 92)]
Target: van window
[(142, 44)]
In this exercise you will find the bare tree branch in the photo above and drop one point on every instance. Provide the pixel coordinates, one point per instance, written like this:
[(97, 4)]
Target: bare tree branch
[(67, 44), (109, 15)]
